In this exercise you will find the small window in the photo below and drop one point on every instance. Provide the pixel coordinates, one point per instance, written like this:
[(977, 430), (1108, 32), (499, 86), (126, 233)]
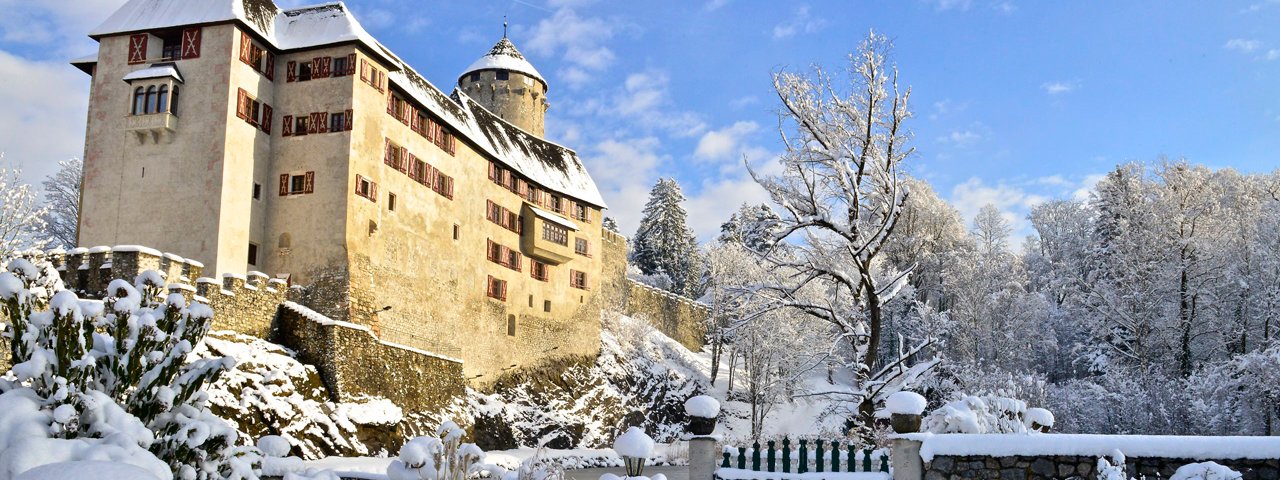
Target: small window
[(557, 204), (163, 105), (578, 279), (297, 184), (257, 191), (546, 305), (339, 66), (172, 49), (300, 126), (511, 325), (337, 121), (504, 75), (253, 254), (365, 188), (496, 289), (582, 247), (475, 76), (139, 101), (456, 232), (304, 71), (555, 234), (530, 301), (539, 270), (152, 98), (391, 202)]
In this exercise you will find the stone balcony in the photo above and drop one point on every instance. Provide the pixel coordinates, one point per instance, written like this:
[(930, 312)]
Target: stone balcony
[(156, 127)]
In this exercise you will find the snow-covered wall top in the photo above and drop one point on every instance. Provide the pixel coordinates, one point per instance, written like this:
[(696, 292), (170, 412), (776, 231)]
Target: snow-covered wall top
[(547, 164), (1162, 446)]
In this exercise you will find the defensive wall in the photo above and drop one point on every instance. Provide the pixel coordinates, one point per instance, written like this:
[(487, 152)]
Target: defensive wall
[(680, 318)]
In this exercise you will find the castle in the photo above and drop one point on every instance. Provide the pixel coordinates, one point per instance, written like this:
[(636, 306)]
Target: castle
[(252, 138)]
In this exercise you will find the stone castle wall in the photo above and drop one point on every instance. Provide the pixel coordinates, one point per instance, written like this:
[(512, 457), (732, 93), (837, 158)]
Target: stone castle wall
[(1064, 467), (680, 318), (353, 362)]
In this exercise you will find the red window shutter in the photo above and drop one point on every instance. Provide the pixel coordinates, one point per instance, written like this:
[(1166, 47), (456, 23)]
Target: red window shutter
[(266, 118), (359, 180), (492, 168), (364, 70), (328, 66), (373, 192), (284, 184), (271, 66), (286, 126), (245, 48), (324, 122), (317, 67), (404, 164), (241, 99), (351, 64), (138, 48), (291, 71), (347, 117), (391, 104), (314, 125), (190, 43), (386, 151), (309, 182)]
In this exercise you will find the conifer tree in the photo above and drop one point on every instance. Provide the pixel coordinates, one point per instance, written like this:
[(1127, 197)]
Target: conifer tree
[(664, 243)]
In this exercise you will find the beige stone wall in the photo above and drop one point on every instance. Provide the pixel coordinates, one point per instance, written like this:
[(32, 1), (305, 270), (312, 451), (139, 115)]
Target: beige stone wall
[(353, 363), (680, 318), (246, 305), (181, 182)]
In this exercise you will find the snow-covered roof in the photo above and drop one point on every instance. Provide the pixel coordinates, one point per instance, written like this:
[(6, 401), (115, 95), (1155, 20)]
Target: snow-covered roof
[(90, 58), (504, 56), (159, 70), (553, 218), (549, 165)]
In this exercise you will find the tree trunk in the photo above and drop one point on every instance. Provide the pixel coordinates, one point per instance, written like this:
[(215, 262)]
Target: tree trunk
[(1184, 317)]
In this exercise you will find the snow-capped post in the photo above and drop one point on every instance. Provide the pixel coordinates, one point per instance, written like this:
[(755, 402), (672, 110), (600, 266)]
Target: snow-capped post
[(906, 411), (702, 411), (634, 447), (1039, 419)]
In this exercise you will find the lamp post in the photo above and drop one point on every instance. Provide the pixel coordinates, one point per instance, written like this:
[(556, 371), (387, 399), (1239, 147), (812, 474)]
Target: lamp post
[(634, 447)]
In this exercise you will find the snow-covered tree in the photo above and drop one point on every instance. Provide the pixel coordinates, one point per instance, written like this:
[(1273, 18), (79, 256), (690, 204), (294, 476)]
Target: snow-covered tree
[(754, 226), (841, 195), (21, 218), (62, 203), (126, 356), (610, 224), (664, 243)]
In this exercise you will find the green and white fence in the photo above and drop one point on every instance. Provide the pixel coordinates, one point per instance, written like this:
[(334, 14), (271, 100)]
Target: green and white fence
[(824, 457)]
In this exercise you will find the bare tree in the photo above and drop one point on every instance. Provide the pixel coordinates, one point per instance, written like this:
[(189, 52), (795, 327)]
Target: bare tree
[(62, 202), (21, 223), (841, 194)]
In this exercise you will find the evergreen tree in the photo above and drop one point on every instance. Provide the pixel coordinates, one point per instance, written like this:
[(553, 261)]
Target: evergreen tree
[(754, 226), (610, 225), (664, 243)]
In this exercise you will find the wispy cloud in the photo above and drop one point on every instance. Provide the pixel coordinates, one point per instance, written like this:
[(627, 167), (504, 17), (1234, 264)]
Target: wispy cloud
[(1242, 45), (947, 107), (724, 143), (1060, 87), (961, 138), (1260, 6), (947, 5), (1006, 7), (714, 5), (800, 23), (579, 40)]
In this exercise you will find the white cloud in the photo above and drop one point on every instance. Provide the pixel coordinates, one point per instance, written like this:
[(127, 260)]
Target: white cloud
[(945, 5), (1242, 45), (579, 40), (1260, 5), (1273, 54), (59, 27), (1059, 88), (623, 170), (744, 101), (801, 22), (41, 127), (1006, 7), (724, 143), (717, 199), (961, 138), (1014, 203), (1087, 186), (714, 5)]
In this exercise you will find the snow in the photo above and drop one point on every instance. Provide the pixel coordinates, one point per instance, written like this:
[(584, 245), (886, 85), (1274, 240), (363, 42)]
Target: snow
[(702, 406), (1164, 446), (319, 318), (133, 248), (908, 403), (274, 446), (634, 443), (553, 218), (95, 469), (154, 71), (1039, 416), (375, 412), (1205, 471)]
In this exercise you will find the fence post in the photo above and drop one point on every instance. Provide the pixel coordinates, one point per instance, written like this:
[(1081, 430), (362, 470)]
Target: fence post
[(702, 457), (907, 464), (866, 459), (786, 455), (755, 456), (817, 455), (727, 456), (852, 459), (804, 457), (772, 460), (835, 456), (884, 462), (742, 458)]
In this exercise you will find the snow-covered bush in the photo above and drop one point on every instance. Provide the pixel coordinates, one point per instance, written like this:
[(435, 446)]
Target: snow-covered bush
[(1205, 471), (443, 457), (970, 414), (1114, 469), (116, 370)]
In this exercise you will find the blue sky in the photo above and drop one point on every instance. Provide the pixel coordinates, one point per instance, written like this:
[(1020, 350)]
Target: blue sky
[(1015, 102)]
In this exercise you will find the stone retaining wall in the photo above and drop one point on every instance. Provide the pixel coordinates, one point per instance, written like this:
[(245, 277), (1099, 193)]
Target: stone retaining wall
[(680, 318), (1066, 467), (352, 362)]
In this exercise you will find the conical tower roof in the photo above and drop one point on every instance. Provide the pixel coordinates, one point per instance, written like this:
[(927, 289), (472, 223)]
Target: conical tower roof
[(504, 56)]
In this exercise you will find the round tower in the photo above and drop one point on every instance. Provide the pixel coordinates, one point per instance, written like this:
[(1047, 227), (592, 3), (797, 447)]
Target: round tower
[(506, 84)]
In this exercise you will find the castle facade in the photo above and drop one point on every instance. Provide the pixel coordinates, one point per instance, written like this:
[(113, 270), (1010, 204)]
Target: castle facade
[(252, 138)]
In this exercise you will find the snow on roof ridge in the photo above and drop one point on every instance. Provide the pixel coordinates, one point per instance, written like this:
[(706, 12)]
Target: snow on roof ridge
[(552, 217)]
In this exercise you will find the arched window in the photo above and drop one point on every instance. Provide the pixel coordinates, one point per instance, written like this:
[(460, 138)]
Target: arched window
[(151, 99), (173, 101), (285, 241), (139, 101), (163, 99)]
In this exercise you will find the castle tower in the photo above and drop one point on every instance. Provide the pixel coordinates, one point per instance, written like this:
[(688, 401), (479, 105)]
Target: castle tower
[(506, 84)]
